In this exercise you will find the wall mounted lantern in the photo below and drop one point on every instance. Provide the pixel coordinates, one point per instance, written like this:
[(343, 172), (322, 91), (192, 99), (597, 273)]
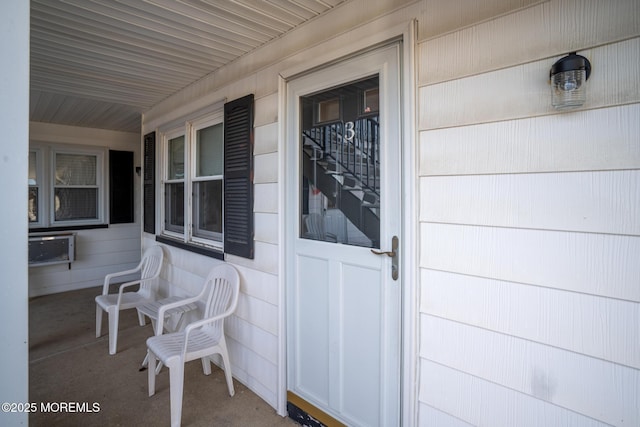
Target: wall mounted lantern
[(568, 76)]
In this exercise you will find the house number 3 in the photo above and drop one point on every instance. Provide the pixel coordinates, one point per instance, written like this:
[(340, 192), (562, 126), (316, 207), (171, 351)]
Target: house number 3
[(349, 132)]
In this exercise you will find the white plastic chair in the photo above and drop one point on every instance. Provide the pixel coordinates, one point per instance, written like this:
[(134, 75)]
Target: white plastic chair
[(200, 339), (149, 270), (166, 308)]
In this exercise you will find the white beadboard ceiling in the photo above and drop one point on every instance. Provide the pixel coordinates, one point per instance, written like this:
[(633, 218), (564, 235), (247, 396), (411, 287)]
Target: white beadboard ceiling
[(101, 63)]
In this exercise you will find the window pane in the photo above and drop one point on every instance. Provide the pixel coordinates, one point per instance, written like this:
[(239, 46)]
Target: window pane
[(32, 168), (176, 158), (340, 180), (75, 169), (33, 204), (174, 207), (371, 100), (209, 151), (207, 210), (76, 204), (328, 110)]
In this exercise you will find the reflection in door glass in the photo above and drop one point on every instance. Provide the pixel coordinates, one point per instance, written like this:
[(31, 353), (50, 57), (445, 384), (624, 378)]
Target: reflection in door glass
[(340, 182)]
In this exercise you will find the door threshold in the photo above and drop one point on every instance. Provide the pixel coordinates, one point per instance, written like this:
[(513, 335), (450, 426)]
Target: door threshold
[(306, 414)]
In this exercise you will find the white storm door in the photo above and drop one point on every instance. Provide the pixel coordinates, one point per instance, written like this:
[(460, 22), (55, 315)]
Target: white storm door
[(343, 204)]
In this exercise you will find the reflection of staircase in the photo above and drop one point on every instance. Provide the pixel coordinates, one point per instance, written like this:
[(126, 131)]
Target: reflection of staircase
[(344, 164)]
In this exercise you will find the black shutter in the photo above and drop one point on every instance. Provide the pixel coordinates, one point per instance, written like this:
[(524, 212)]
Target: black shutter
[(149, 183), (238, 177), (120, 187)]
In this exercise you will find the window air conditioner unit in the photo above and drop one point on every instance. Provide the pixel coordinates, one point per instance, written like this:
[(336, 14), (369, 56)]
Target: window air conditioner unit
[(48, 249)]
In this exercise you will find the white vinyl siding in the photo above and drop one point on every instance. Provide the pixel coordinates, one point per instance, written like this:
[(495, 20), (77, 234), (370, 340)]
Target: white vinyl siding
[(529, 218)]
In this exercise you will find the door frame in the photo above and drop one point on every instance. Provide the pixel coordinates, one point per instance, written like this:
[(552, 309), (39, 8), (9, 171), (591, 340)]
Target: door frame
[(361, 40)]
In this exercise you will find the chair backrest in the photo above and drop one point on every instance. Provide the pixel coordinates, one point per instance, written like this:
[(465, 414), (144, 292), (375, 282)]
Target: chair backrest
[(150, 267), (223, 284)]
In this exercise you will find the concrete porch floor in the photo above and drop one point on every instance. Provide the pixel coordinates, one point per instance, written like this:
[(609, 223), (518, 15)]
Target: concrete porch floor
[(68, 364)]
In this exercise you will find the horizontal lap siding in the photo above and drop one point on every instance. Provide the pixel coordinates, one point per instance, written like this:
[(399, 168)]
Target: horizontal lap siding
[(430, 416), (266, 172), (586, 385), (597, 202), (456, 102), (98, 253), (529, 219), (596, 264), (485, 40), (484, 403), (600, 327), (602, 139)]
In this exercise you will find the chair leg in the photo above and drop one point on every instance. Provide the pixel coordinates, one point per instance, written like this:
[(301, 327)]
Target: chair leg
[(113, 329), (145, 364), (141, 318), (98, 321), (151, 359), (206, 365), (176, 384), (227, 368)]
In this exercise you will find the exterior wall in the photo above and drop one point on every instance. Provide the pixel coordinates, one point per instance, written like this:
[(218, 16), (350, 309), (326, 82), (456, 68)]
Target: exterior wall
[(256, 332), (14, 119), (98, 251), (529, 218)]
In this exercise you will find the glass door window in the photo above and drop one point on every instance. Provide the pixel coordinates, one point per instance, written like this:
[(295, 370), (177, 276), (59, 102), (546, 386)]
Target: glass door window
[(340, 146)]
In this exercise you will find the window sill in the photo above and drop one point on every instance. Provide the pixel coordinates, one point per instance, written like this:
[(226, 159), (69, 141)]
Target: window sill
[(67, 228), (201, 250)]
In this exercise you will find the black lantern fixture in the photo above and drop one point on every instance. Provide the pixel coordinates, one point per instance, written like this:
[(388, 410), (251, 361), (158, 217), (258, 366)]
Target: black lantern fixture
[(568, 76)]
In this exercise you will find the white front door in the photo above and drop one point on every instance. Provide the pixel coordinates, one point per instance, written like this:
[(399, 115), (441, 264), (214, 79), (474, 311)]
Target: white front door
[(343, 217)]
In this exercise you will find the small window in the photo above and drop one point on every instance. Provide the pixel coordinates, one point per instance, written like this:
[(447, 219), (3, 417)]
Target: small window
[(174, 185), (371, 101), (75, 190), (207, 183), (34, 188), (328, 110)]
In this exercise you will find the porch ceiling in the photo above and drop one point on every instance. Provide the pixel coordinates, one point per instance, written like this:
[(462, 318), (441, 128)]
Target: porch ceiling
[(101, 63)]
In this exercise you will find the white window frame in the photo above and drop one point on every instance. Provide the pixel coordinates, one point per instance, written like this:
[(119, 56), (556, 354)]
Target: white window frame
[(40, 185), (45, 166), (189, 131), (99, 185)]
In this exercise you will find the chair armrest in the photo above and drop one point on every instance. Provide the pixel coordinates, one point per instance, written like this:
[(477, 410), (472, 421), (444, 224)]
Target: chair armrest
[(165, 307), (108, 277), (122, 288)]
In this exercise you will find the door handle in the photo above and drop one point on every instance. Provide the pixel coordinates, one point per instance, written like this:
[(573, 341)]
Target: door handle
[(387, 253), (393, 254)]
